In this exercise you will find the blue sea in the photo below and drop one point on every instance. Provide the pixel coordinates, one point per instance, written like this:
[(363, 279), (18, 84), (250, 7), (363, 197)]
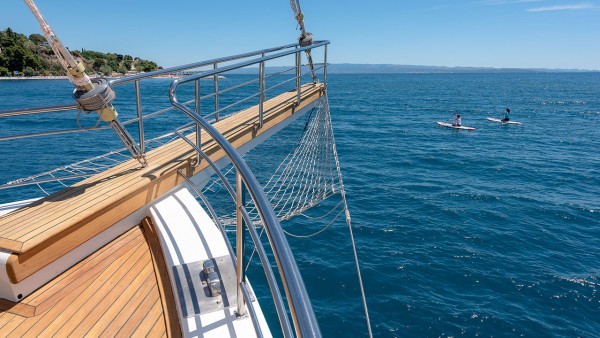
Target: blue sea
[(492, 232)]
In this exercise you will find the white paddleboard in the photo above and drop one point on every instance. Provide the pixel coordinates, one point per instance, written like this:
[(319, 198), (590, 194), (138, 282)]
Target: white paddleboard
[(449, 125), (503, 122)]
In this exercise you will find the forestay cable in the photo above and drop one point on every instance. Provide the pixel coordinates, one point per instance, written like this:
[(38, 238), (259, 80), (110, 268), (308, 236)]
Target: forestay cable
[(305, 39)]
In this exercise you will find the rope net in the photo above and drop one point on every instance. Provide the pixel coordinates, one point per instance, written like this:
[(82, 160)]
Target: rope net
[(306, 176)]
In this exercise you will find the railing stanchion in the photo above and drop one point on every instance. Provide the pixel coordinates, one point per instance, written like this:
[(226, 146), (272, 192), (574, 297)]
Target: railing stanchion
[(138, 102), (298, 74), (216, 82), (198, 127), (261, 89), (325, 68), (240, 243)]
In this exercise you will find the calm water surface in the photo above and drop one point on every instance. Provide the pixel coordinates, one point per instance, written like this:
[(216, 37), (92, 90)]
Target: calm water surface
[(494, 232)]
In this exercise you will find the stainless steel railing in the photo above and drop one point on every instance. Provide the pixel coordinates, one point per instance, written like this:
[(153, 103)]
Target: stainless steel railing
[(300, 307), (137, 78)]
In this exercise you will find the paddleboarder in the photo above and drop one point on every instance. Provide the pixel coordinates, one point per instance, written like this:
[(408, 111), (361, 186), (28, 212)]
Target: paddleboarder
[(506, 112), (457, 121)]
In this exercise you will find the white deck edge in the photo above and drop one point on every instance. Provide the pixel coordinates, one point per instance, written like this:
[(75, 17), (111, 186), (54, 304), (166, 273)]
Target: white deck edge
[(187, 234)]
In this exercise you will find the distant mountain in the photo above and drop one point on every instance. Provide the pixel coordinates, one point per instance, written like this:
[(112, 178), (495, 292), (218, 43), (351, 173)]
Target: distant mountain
[(351, 68), (348, 68)]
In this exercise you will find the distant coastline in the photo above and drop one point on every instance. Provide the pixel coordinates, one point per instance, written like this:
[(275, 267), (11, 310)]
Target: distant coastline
[(54, 77), (16, 78), (354, 68), (416, 69)]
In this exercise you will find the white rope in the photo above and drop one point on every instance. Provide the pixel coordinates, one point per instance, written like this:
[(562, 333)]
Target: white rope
[(297, 14), (87, 167), (64, 57), (349, 223), (308, 175)]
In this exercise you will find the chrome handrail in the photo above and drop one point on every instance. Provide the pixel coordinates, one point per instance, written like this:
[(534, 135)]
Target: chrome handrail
[(262, 254), (300, 307), (143, 76), (197, 65)]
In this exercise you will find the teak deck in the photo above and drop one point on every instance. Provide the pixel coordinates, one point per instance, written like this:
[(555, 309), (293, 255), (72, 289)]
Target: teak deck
[(49, 228), (115, 291)]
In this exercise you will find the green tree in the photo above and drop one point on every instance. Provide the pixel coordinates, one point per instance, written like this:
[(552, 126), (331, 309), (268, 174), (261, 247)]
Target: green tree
[(56, 69), (38, 39), (98, 63), (4, 71), (33, 61), (28, 71), (106, 70), (15, 55), (3, 61), (20, 52), (127, 64), (113, 64), (146, 66)]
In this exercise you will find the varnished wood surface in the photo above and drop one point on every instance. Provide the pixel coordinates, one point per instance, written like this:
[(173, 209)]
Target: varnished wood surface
[(115, 291), (49, 228)]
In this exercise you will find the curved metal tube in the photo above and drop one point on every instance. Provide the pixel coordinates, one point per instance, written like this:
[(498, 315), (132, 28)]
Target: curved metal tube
[(247, 63), (262, 254), (27, 111), (196, 65), (303, 316)]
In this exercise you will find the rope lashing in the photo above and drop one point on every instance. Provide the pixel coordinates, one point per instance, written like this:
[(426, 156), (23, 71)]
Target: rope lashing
[(98, 99), (91, 95), (305, 39)]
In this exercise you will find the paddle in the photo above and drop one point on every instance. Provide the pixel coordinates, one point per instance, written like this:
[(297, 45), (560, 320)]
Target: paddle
[(451, 116)]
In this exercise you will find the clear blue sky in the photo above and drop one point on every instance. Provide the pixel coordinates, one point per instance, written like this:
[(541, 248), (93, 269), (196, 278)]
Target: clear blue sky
[(487, 33)]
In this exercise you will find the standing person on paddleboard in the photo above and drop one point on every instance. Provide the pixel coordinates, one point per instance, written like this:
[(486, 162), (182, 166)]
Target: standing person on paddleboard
[(506, 112), (457, 121)]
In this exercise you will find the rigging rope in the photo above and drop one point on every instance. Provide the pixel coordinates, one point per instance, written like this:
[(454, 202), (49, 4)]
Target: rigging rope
[(91, 95), (308, 175), (74, 72), (349, 223), (305, 39)]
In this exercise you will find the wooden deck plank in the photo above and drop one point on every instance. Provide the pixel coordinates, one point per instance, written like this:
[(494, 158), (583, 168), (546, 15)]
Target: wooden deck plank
[(162, 279), (58, 315), (158, 330), (246, 117), (20, 309), (127, 327), (55, 290), (129, 291), (58, 227), (120, 295), (13, 322), (148, 322), (118, 326)]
